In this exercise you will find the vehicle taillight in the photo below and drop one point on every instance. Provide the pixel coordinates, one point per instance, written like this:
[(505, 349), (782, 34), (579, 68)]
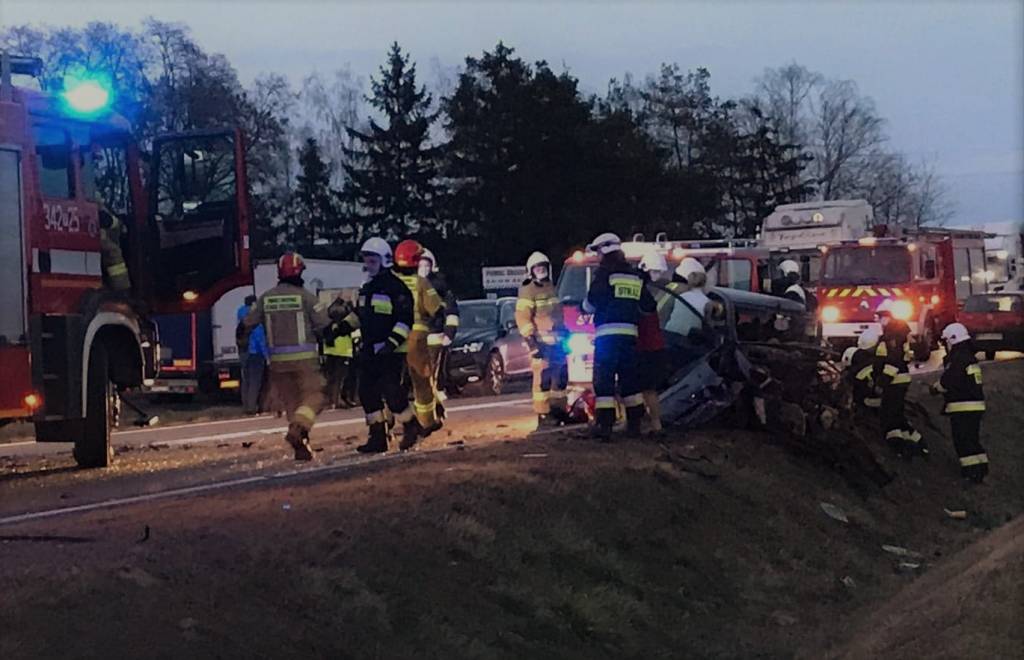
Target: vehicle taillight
[(32, 401), (830, 314)]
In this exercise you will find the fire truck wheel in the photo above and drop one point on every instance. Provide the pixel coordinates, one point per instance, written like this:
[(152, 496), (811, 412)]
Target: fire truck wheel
[(92, 447)]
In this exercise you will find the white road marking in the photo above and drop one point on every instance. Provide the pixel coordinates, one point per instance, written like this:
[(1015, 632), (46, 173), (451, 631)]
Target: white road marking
[(216, 485)]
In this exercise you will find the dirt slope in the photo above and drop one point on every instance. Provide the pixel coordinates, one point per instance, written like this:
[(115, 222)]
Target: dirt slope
[(714, 547)]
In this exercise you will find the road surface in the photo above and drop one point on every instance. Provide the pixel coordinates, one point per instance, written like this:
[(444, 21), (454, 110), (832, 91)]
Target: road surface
[(40, 480)]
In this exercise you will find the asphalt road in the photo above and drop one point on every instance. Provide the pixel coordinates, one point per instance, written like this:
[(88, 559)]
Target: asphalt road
[(40, 480)]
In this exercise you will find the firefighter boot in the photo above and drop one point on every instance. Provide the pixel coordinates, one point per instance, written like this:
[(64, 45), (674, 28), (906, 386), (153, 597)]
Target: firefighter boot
[(410, 435), (377, 440), (298, 438)]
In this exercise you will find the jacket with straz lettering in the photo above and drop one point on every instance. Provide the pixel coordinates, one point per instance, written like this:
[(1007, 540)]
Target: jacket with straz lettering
[(293, 322), (539, 313), (617, 296), (961, 384), (383, 314)]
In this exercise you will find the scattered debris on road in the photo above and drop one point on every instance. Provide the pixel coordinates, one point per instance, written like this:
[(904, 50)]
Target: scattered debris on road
[(834, 512)]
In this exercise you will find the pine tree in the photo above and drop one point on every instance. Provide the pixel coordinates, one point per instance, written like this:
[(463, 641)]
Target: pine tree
[(392, 168), (315, 214)]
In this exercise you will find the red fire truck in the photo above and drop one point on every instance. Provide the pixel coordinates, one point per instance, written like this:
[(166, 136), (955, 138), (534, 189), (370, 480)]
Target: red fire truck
[(68, 344), (736, 264), (928, 273)]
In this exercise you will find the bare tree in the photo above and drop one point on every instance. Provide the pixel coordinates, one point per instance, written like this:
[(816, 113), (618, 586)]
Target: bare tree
[(785, 94), (328, 107)]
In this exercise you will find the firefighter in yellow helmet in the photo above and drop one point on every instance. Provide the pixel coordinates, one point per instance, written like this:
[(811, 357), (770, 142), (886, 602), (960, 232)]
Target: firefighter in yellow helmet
[(540, 322), (294, 321), (426, 305)]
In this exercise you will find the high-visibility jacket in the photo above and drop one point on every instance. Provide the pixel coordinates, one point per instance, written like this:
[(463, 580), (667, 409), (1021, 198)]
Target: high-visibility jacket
[(383, 314), (961, 382), (862, 374), (617, 296), (445, 323), (893, 355), (293, 321), (539, 313), (426, 303), (340, 347), (111, 255)]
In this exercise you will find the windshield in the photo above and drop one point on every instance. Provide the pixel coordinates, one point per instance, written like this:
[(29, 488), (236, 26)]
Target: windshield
[(886, 264), (990, 304), (478, 316), (573, 283)]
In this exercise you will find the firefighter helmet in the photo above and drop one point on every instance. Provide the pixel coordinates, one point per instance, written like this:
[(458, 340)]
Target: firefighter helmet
[(848, 356), (606, 243), (536, 259), (290, 265), (653, 260), (379, 247), (429, 256), (689, 266), (408, 253), (868, 339), (955, 333), (789, 267)]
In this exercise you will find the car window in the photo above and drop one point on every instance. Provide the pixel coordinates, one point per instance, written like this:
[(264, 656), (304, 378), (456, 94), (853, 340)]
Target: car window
[(54, 163), (508, 313), (477, 316)]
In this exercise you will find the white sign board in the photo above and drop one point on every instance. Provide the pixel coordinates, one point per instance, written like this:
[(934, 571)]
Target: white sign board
[(497, 278)]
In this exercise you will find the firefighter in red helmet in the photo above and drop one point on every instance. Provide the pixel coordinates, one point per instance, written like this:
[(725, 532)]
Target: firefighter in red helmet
[(427, 304), (294, 321)]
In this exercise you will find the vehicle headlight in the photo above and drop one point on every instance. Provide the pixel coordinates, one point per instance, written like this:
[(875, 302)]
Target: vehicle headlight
[(830, 314), (902, 310), (579, 343)]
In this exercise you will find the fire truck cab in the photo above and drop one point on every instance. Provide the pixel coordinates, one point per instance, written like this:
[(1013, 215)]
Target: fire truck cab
[(69, 342), (928, 273), (735, 264)]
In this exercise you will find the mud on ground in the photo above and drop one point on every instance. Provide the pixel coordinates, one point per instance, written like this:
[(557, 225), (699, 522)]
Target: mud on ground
[(715, 545)]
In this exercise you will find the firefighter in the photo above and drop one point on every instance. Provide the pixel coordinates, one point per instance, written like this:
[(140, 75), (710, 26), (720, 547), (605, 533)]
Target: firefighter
[(293, 321), (652, 358), (542, 326), (338, 354), (616, 298), (861, 370), (426, 305), (383, 316), (443, 326), (961, 386), (892, 375), (111, 256), (793, 287), (681, 319)]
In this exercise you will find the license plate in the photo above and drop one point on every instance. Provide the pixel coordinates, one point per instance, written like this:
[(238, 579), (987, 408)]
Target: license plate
[(989, 336)]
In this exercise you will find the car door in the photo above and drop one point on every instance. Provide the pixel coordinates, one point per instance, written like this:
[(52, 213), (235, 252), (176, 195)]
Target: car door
[(517, 355)]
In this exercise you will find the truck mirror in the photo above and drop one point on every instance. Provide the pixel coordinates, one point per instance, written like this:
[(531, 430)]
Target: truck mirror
[(198, 219), (929, 269)]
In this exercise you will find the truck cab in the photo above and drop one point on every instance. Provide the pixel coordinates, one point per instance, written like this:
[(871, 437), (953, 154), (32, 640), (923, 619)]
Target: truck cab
[(70, 174)]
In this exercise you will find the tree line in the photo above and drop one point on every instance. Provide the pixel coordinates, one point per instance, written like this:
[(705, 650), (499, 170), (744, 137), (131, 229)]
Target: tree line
[(504, 156)]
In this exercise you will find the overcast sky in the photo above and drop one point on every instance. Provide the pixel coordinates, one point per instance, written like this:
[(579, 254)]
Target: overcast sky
[(948, 77)]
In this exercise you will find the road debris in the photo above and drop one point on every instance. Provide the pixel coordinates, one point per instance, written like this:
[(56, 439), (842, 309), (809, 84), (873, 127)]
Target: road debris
[(145, 535), (834, 512), (958, 514), (901, 552), (535, 455), (248, 444), (849, 582), (138, 576)]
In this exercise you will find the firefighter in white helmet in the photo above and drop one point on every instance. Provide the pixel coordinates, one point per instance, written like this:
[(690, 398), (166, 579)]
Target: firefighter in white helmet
[(443, 326), (652, 352), (861, 370), (384, 317), (793, 287), (961, 385), (616, 298), (542, 325), (688, 316)]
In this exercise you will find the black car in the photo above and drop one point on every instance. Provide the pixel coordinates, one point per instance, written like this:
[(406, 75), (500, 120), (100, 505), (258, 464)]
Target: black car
[(488, 349)]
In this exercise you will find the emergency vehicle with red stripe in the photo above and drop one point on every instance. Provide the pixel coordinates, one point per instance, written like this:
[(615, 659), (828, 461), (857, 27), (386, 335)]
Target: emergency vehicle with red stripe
[(68, 342)]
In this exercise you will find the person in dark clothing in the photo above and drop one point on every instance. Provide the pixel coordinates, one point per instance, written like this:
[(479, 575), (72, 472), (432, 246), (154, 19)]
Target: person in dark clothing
[(616, 298), (892, 375), (862, 371), (961, 386)]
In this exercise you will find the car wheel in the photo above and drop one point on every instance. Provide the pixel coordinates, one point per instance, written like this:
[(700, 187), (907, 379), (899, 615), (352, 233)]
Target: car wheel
[(494, 377), (92, 446)]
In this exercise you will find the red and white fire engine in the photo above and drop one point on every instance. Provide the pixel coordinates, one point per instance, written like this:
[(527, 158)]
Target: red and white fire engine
[(928, 273), (68, 344), (736, 264)]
